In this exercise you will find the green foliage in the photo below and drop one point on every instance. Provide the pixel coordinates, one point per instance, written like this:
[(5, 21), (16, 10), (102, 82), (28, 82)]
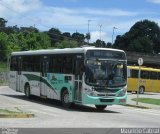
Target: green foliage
[(2, 22), (109, 45), (79, 38), (88, 36), (144, 36), (100, 43), (55, 36), (3, 66), (3, 46), (67, 44)]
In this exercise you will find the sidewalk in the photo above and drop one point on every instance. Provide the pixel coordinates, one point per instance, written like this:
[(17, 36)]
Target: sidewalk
[(130, 102), (8, 109)]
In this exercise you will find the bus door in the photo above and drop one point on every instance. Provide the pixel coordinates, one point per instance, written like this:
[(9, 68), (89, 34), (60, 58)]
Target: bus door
[(78, 79), (18, 77), (44, 70)]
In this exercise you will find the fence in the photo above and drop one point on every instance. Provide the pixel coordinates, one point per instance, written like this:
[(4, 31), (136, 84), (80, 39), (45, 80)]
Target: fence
[(3, 78)]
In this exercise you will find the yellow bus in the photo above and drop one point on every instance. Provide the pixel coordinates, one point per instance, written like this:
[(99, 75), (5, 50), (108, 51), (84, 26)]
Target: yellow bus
[(149, 79)]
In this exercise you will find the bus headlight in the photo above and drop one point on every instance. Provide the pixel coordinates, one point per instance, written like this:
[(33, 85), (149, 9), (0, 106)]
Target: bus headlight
[(90, 91), (122, 92)]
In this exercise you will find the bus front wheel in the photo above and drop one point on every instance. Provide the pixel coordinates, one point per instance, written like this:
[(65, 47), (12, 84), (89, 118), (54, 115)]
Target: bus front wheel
[(65, 99), (101, 107), (27, 91)]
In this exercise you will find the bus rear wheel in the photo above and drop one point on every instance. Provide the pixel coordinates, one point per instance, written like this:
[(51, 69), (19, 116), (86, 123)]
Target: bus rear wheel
[(141, 90), (27, 91), (65, 99), (100, 107)]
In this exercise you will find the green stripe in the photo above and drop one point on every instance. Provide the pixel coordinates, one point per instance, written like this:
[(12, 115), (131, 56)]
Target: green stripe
[(32, 77)]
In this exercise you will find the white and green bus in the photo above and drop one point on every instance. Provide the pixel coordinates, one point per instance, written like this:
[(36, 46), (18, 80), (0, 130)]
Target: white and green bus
[(85, 75)]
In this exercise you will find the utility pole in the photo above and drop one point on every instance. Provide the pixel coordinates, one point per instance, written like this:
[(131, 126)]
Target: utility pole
[(100, 30), (88, 30), (113, 33)]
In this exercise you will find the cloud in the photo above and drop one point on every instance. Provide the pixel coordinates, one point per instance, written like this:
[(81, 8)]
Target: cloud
[(108, 12), (154, 1), (104, 36), (21, 6), (33, 12)]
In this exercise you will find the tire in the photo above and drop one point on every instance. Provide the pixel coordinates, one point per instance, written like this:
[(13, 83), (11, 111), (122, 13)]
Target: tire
[(100, 107), (27, 91), (141, 90), (65, 99)]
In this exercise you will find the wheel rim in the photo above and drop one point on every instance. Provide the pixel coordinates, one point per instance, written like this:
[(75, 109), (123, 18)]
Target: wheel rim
[(141, 90)]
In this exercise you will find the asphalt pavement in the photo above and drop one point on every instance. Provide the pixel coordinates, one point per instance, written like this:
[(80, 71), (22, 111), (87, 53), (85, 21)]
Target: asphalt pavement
[(50, 114)]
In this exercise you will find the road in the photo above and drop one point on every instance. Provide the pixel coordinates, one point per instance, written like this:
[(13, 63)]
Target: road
[(49, 114)]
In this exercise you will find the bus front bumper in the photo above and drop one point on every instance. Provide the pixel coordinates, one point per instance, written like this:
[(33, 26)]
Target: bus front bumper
[(87, 99)]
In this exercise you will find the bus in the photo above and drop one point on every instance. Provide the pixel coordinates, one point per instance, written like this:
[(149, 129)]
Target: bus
[(149, 79), (86, 75)]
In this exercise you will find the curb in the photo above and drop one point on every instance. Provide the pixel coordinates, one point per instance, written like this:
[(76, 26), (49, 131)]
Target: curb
[(137, 106), (17, 115)]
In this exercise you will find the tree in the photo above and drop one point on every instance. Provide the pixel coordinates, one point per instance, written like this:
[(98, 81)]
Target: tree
[(3, 46), (79, 38), (55, 36), (66, 36), (100, 43), (67, 44), (28, 29), (109, 45), (2, 23), (88, 36), (143, 35)]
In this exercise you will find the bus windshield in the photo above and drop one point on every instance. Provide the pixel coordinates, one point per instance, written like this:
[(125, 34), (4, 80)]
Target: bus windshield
[(110, 73)]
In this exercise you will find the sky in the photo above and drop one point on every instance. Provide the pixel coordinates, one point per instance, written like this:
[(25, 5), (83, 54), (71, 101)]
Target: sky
[(102, 16)]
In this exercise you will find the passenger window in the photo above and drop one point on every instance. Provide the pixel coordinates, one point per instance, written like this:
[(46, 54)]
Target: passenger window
[(134, 74), (153, 75), (158, 75), (145, 74)]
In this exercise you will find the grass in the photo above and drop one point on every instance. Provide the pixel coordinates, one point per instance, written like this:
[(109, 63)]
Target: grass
[(3, 66), (5, 113), (148, 100)]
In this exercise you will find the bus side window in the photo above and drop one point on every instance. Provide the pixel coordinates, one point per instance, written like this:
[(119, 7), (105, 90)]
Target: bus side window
[(134, 74), (153, 75), (55, 64), (158, 75), (67, 65), (145, 74)]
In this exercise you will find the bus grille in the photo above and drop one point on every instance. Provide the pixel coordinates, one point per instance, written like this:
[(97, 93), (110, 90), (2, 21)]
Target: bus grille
[(109, 94), (106, 100)]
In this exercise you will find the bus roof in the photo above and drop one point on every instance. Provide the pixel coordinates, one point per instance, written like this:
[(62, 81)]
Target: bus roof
[(61, 51), (144, 68)]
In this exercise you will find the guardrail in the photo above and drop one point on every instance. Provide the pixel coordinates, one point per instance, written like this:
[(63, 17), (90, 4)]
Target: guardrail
[(153, 59)]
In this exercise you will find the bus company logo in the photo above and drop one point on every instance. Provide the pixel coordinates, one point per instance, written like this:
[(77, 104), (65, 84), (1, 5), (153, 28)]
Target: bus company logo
[(54, 77)]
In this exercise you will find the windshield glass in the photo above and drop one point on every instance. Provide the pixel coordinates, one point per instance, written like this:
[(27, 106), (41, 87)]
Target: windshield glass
[(105, 72)]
